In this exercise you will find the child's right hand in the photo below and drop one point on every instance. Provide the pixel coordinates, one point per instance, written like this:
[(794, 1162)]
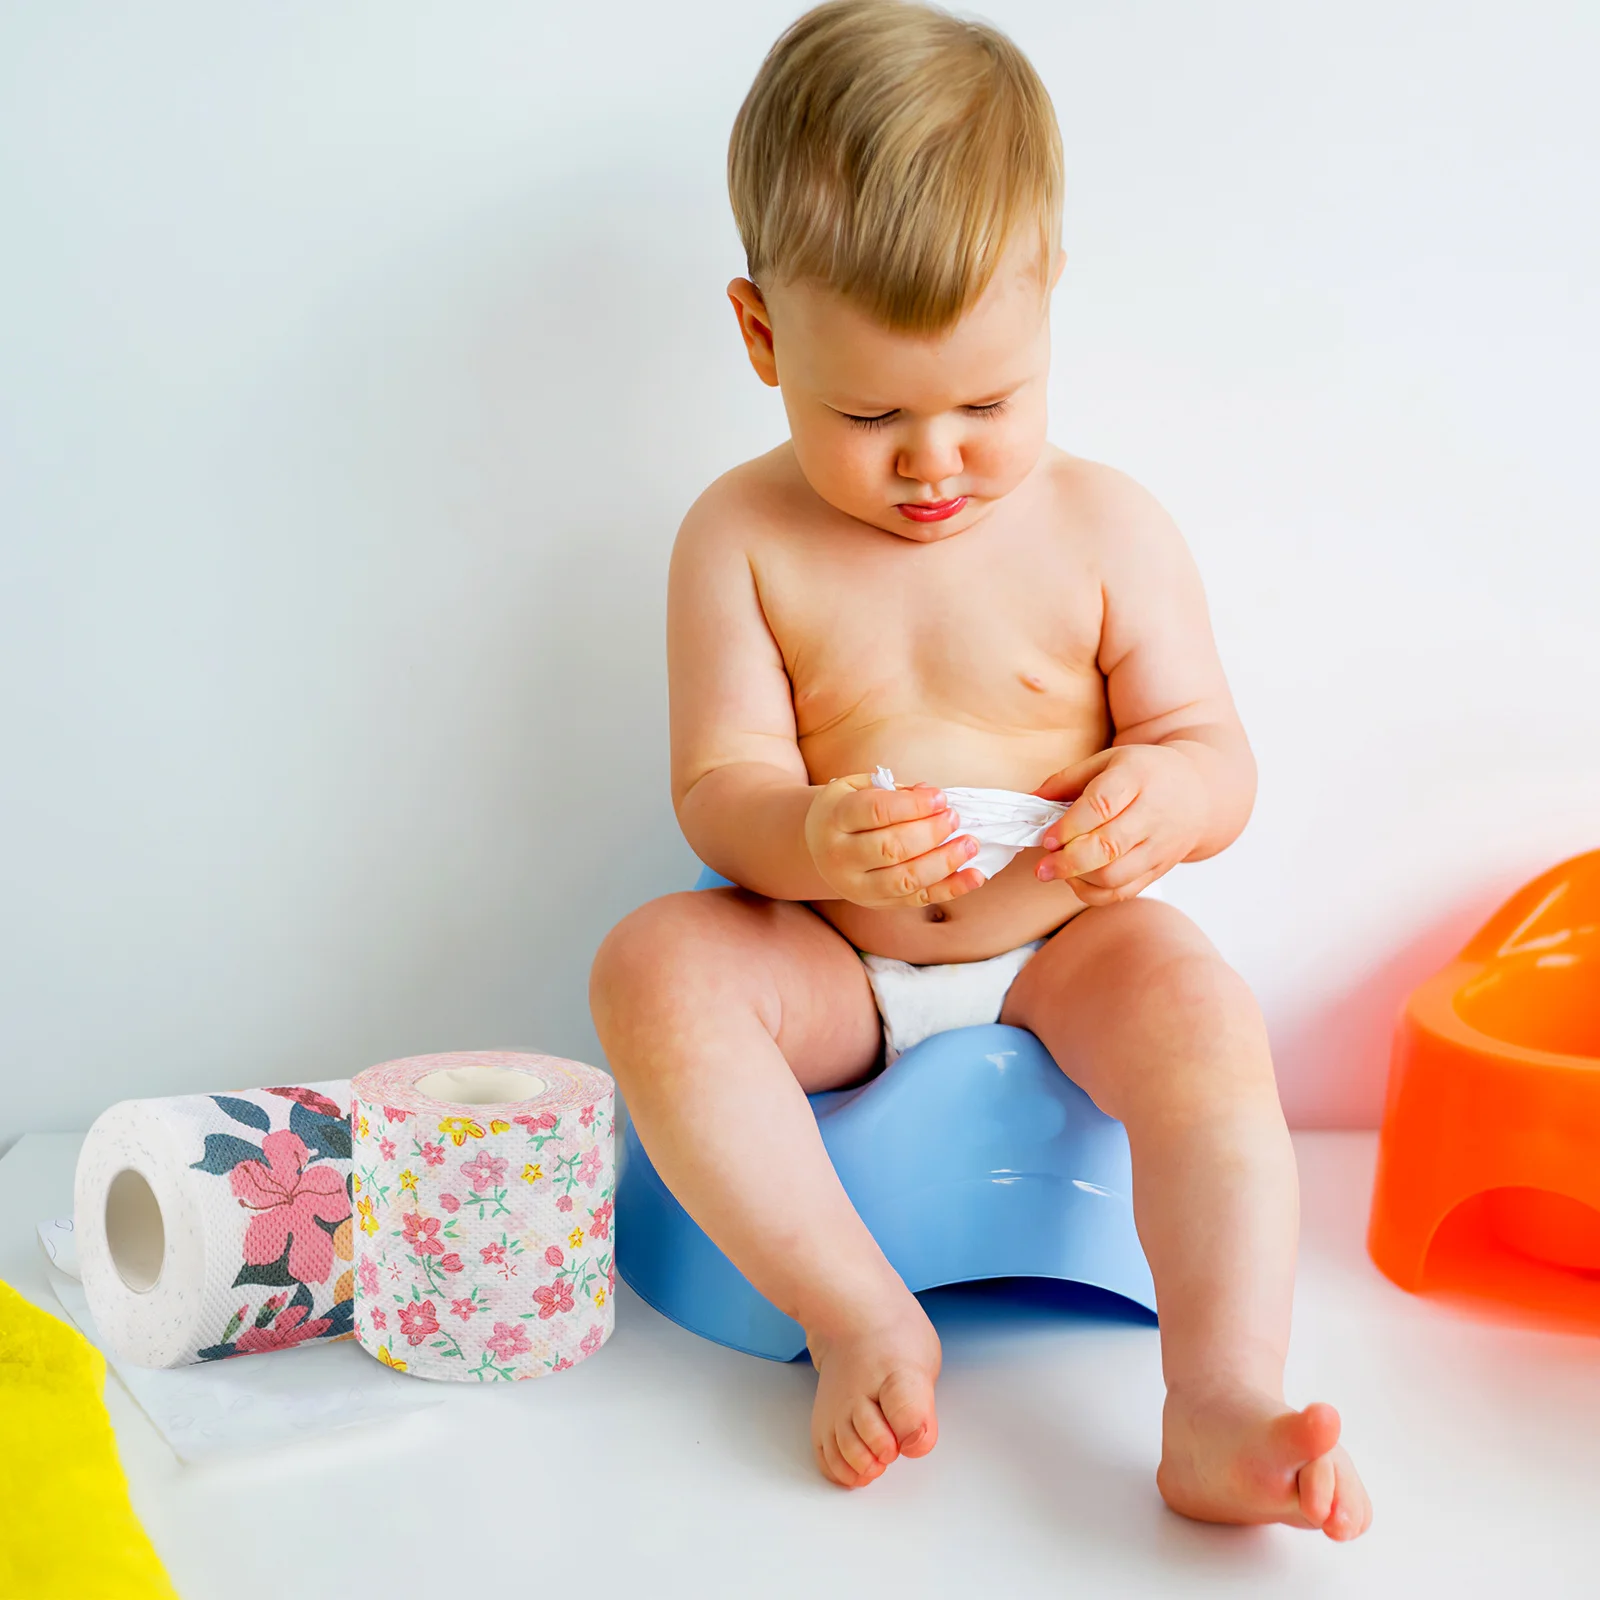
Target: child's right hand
[(889, 848)]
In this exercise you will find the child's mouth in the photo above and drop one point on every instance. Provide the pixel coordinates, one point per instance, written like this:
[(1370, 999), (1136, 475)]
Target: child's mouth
[(931, 510)]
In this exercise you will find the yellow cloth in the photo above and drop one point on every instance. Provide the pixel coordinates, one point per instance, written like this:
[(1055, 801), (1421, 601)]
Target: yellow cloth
[(67, 1531)]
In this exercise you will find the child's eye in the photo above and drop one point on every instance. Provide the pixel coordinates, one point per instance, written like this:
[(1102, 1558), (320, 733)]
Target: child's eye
[(867, 422), (993, 409)]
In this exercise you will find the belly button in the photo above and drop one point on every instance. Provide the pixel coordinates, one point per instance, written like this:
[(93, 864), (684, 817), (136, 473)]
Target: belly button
[(938, 914), (1036, 684)]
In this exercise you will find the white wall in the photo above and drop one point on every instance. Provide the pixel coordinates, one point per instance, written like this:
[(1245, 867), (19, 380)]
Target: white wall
[(356, 363)]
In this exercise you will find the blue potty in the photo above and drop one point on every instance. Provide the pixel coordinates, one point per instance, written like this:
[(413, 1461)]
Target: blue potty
[(973, 1156)]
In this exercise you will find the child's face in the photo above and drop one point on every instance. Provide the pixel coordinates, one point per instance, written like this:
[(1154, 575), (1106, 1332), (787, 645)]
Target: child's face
[(917, 435)]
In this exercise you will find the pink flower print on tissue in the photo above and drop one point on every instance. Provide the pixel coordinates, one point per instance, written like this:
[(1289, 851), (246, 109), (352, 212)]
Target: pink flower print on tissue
[(449, 1203), (433, 1154), (553, 1297), (369, 1276), (386, 1149), (422, 1233), (591, 1340), (563, 1202), (542, 1123), (395, 1114), (589, 1167), (450, 1263), (484, 1172), (586, 1116), (380, 1317), (600, 1223), (418, 1320), (554, 1256), (289, 1198), (289, 1329), (509, 1339), (462, 1309), (494, 1255)]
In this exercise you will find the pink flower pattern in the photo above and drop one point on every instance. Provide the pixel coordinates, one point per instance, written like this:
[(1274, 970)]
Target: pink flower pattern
[(495, 1262), (289, 1194), (509, 1339), (484, 1172)]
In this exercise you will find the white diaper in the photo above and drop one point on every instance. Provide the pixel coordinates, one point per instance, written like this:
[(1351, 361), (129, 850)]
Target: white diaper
[(918, 1002)]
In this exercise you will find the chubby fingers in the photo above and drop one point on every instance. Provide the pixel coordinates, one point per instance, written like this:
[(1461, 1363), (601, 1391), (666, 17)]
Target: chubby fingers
[(938, 874), (1102, 827), (865, 809)]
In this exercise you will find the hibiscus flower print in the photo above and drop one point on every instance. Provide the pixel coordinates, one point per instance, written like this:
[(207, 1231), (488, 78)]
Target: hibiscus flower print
[(312, 1101), (287, 1330), (289, 1196), (422, 1233), (552, 1298), (485, 1172), (418, 1320), (509, 1339)]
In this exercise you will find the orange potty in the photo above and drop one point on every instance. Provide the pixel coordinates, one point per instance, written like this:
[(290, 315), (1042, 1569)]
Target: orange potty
[(1494, 1089)]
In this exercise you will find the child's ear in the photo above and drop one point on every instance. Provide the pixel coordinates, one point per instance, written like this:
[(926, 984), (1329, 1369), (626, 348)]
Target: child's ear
[(755, 328), (1060, 267)]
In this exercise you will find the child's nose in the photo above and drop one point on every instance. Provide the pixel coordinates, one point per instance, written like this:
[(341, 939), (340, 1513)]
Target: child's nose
[(930, 457)]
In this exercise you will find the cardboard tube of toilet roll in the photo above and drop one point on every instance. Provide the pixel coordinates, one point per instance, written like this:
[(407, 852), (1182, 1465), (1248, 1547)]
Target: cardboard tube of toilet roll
[(217, 1225)]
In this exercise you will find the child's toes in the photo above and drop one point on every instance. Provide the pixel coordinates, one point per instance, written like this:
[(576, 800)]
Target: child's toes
[(856, 1453), (1316, 1485), (834, 1465), (874, 1432), (906, 1400), (1351, 1513)]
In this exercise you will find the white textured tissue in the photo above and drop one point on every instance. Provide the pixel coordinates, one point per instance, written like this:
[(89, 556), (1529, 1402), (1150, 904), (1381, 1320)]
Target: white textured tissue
[(219, 1407), (1003, 821)]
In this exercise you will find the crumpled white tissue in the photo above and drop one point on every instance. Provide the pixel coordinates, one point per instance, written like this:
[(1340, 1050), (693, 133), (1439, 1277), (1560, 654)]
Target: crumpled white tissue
[(1004, 822)]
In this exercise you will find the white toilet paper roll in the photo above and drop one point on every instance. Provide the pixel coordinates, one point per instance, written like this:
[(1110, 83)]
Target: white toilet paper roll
[(217, 1225)]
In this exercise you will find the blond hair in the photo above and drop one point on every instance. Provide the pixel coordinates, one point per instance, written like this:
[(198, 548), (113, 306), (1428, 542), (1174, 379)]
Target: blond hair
[(891, 151)]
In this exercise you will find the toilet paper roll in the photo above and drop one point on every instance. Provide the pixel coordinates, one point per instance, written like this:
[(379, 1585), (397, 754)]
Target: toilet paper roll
[(484, 1188), (217, 1225)]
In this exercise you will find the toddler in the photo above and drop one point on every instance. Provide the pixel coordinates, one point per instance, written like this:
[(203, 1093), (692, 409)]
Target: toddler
[(917, 580)]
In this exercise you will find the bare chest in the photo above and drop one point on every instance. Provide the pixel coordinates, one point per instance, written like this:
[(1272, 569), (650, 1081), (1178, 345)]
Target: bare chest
[(995, 631)]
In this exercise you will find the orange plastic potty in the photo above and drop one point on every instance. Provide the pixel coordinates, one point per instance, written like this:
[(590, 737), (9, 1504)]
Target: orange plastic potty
[(1494, 1089)]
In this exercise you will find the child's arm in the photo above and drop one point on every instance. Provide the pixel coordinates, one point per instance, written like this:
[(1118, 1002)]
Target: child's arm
[(743, 797), (1179, 781)]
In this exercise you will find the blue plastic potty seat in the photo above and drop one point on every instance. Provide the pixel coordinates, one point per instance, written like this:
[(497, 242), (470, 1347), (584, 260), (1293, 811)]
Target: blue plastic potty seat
[(973, 1156)]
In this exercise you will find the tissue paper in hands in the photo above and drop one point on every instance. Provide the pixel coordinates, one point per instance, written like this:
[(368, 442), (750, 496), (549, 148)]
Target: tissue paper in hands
[(217, 1225), (484, 1188), (1003, 821)]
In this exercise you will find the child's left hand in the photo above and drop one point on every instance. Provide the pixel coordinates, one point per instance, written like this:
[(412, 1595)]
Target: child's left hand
[(1137, 811)]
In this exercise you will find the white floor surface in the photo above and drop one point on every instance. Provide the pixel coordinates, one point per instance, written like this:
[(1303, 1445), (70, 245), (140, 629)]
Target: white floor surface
[(670, 1467)]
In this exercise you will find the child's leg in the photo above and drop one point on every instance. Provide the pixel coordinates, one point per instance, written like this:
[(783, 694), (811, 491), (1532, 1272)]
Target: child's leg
[(719, 1011), (1141, 1011)]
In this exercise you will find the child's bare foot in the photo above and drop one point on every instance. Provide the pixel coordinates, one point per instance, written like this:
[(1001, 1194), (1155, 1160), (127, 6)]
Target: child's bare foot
[(1246, 1458), (875, 1395)]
